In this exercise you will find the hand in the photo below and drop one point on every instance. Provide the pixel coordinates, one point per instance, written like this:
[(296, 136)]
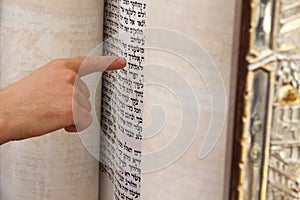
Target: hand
[(46, 100)]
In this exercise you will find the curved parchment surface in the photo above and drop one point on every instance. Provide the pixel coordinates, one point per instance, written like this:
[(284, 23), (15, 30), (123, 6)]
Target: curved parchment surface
[(210, 24), (55, 166), (161, 78)]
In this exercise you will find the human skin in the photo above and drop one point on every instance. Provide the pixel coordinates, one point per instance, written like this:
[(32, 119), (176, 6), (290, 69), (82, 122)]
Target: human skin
[(47, 99)]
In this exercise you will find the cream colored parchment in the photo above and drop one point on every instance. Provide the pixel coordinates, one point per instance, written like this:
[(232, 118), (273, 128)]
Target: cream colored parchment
[(55, 166)]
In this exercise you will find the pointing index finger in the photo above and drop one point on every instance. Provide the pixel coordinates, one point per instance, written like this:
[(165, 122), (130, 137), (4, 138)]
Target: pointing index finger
[(89, 64)]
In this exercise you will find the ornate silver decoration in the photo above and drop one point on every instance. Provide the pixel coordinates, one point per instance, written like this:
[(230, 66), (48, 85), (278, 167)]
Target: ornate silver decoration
[(270, 143)]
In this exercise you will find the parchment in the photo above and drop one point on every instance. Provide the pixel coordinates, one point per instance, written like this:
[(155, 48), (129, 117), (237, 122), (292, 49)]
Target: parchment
[(190, 176), (122, 101), (211, 25), (55, 166)]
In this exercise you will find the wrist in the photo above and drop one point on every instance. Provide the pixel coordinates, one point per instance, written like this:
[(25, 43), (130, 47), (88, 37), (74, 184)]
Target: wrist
[(5, 131)]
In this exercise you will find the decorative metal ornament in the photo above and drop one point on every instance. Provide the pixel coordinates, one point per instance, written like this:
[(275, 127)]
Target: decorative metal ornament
[(267, 165)]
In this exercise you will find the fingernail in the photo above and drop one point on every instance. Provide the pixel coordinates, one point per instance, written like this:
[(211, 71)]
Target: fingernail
[(122, 61)]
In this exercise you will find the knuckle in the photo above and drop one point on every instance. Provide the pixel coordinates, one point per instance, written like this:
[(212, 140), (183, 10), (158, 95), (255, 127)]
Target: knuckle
[(88, 93), (69, 76), (84, 120), (60, 62), (83, 87), (89, 106)]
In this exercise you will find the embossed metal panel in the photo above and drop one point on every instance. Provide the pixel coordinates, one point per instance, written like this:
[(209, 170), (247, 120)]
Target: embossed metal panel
[(266, 164)]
